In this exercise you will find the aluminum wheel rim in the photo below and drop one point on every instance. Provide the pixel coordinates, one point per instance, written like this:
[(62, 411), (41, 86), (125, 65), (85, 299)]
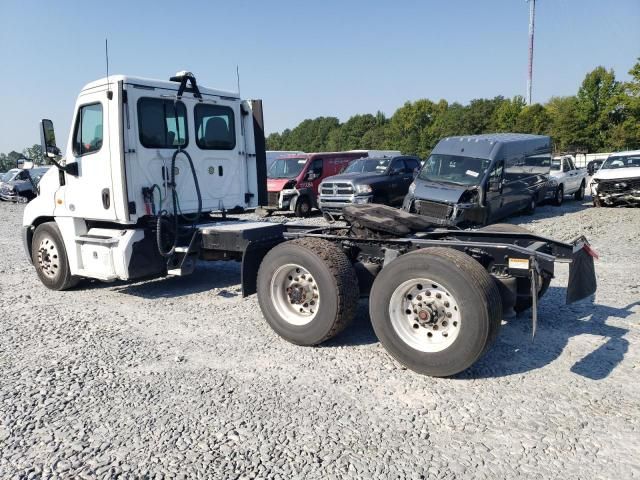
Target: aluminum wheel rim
[(48, 257), (295, 294), (425, 315)]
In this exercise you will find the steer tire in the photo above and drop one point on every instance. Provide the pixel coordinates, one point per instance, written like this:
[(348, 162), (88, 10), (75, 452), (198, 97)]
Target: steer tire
[(579, 194), (303, 207), (559, 197), (50, 258), (333, 276), (523, 302), (471, 289)]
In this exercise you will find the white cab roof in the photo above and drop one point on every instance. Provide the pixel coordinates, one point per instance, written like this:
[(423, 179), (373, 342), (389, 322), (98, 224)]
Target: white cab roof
[(149, 82)]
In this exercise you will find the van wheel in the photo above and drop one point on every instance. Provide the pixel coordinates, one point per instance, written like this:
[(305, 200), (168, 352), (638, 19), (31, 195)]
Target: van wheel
[(579, 195), (531, 207), (435, 310), (557, 200), (303, 207), (50, 258), (307, 290)]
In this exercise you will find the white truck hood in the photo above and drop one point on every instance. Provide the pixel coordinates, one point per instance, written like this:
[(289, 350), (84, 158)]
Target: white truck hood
[(615, 173)]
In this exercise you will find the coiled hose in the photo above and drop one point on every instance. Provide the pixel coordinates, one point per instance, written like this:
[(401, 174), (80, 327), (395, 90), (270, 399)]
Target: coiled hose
[(163, 214)]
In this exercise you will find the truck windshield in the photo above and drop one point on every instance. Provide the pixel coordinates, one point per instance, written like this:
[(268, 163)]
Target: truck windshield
[(621, 162), (368, 165), (454, 169), (287, 167), (556, 164)]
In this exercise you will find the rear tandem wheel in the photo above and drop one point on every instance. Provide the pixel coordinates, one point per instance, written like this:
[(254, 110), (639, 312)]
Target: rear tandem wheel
[(435, 310)]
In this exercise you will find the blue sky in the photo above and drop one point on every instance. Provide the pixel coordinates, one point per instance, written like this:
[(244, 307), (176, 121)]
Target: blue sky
[(305, 59)]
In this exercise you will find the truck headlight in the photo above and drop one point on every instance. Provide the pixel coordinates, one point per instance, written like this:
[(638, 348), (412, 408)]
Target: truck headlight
[(412, 188), (363, 189)]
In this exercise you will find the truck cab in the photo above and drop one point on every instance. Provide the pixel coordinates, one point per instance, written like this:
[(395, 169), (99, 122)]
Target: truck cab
[(569, 179), (137, 148), (373, 179)]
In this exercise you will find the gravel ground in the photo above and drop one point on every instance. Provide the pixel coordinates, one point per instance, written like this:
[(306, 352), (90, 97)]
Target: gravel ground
[(183, 378)]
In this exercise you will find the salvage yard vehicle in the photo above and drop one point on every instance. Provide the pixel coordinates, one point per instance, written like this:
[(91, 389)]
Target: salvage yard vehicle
[(479, 179), (149, 164), (594, 165), (570, 179), (382, 180), (23, 186), (293, 180), (617, 182)]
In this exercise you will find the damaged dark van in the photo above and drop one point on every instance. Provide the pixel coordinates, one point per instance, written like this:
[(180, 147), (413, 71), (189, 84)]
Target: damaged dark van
[(479, 179)]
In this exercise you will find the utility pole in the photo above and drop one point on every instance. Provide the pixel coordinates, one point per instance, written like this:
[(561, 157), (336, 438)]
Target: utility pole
[(532, 21)]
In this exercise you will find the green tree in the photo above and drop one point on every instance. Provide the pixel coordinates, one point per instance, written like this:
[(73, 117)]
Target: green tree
[(625, 134), (480, 115), (507, 113), (407, 124), (597, 107), (565, 123), (533, 119), (35, 153)]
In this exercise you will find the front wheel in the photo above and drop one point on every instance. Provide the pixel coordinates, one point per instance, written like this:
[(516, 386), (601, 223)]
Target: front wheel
[(50, 258), (579, 195), (559, 197), (436, 310), (531, 206), (303, 207), (307, 290)]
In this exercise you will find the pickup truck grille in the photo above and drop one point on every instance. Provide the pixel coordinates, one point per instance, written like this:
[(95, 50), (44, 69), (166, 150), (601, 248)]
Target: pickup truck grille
[(272, 199), (609, 186), (336, 188), (433, 209)]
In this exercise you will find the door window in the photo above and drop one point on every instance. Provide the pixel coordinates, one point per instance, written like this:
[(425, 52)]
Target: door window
[(215, 127), (496, 173), (162, 123), (412, 165), (316, 166), (567, 165), (88, 132), (397, 166)]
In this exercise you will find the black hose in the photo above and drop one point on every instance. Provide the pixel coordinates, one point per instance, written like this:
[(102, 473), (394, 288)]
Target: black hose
[(163, 213)]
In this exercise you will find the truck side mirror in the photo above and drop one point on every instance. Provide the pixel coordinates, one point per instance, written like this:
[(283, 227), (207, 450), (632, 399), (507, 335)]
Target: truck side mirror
[(48, 139), (312, 176)]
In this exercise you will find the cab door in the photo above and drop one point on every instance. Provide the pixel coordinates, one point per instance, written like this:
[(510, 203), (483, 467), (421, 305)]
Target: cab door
[(494, 188), (90, 194)]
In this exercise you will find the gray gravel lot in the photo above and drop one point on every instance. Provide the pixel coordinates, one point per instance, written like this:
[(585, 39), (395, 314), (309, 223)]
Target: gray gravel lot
[(183, 378)]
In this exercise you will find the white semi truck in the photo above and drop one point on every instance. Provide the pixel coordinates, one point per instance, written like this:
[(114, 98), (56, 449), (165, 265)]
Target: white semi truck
[(152, 167)]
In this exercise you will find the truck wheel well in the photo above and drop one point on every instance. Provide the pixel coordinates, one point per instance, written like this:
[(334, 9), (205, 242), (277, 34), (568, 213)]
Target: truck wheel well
[(36, 223)]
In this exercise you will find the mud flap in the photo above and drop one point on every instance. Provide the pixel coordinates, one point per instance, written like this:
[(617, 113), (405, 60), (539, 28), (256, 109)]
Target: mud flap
[(534, 298), (582, 273)]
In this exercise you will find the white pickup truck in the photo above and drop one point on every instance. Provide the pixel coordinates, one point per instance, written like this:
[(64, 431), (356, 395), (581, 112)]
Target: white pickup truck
[(570, 179)]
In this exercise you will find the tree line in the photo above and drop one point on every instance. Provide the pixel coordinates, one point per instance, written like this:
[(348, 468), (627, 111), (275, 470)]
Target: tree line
[(10, 160), (604, 115)]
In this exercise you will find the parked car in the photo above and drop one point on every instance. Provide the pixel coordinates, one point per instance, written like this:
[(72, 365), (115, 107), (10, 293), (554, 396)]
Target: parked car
[(18, 187), (293, 180), (570, 179), (617, 182), (383, 180), (479, 179), (594, 165)]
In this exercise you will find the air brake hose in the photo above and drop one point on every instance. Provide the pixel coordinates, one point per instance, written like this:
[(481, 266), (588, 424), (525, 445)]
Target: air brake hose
[(163, 213)]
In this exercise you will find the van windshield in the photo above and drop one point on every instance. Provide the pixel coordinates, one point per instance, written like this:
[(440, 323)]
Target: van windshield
[(287, 167), (454, 169), (368, 165)]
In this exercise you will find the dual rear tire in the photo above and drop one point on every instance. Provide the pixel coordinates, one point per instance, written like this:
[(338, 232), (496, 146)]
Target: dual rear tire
[(435, 310)]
